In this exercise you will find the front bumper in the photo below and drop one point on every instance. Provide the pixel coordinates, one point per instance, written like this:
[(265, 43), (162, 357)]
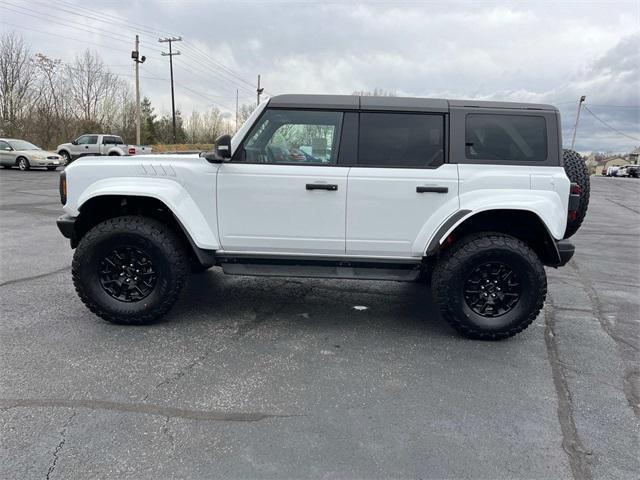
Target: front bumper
[(45, 162), (565, 252), (67, 226)]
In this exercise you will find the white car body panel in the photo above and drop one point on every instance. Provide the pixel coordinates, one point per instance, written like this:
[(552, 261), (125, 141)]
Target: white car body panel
[(267, 208), (541, 190), (375, 212), (185, 183), (387, 217)]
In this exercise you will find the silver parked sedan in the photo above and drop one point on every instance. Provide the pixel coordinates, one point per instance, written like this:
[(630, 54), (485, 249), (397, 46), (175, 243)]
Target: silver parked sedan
[(24, 155)]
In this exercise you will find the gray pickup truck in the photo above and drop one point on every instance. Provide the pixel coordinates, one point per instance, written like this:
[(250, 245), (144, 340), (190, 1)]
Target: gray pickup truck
[(93, 144)]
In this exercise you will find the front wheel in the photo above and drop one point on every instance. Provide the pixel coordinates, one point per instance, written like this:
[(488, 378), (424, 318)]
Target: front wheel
[(23, 164), (130, 270), (489, 286)]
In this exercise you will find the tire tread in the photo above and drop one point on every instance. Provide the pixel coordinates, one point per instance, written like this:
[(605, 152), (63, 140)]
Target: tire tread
[(456, 256), (146, 227)]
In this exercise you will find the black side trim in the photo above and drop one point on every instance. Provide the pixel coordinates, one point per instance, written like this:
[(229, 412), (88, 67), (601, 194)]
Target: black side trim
[(366, 269), (566, 249), (66, 225), (207, 258), (435, 242)]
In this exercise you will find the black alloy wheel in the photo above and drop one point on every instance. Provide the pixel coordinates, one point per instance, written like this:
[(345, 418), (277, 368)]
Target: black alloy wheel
[(127, 274), (492, 289)]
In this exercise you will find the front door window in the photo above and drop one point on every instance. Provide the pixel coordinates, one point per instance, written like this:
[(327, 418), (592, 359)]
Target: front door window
[(294, 137)]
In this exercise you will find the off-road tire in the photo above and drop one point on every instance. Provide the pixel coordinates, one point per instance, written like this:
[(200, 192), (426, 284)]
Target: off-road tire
[(150, 236), (23, 164), (454, 268), (577, 172)]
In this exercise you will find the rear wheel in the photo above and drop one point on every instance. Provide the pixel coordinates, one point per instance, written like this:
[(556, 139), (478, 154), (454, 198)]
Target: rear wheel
[(489, 286), (23, 164), (130, 270), (577, 172)]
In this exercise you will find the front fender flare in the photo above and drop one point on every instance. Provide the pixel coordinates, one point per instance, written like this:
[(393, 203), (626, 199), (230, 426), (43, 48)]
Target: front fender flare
[(201, 228)]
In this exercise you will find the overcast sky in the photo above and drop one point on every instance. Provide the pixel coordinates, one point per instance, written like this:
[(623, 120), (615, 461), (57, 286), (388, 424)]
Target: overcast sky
[(539, 51)]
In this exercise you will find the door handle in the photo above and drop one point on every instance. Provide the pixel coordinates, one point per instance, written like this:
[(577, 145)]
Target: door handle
[(432, 189), (322, 186)]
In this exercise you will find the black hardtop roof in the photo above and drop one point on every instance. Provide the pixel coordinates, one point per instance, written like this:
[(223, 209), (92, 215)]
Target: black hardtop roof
[(415, 104)]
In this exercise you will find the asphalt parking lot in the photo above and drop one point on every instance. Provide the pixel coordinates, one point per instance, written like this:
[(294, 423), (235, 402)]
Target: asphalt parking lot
[(271, 378)]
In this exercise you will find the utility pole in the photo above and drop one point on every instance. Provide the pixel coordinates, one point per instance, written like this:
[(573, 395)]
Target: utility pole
[(575, 128), (259, 90), (236, 109), (170, 55), (135, 55)]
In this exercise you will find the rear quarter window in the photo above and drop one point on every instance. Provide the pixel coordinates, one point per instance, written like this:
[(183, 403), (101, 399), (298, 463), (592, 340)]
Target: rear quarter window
[(506, 137)]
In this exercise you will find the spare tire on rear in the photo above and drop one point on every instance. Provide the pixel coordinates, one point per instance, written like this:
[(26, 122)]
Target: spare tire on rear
[(577, 172)]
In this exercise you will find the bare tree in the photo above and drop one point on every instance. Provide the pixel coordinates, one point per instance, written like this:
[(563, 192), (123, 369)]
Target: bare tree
[(17, 75), (91, 87)]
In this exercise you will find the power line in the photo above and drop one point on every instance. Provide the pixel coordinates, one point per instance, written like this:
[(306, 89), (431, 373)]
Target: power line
[(198, 54), (21, 27), (609, 126), (191, 68), (109, 18), (613, 106), (47, 18)]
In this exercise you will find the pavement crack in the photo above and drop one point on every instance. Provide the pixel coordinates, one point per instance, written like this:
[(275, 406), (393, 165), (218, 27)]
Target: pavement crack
[(624, 206), (59, 446), (141, 408), (34, 277), (595, 301), (182, 372), (631, 382), (571, 443)]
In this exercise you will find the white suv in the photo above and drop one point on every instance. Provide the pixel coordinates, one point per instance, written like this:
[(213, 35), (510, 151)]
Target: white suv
[(472, 195)]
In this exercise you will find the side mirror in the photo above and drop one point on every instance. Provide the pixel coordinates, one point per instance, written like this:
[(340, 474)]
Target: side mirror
[(212, 157), (74, 142), (8, 149), (222, 146)]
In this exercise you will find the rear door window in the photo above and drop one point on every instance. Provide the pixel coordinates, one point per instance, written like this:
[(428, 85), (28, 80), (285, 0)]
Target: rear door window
[(506, 137), (401, 140)]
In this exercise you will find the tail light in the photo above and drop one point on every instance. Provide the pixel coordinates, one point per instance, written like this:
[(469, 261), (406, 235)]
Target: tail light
[(63, 187), (132, 151), (574, 201)]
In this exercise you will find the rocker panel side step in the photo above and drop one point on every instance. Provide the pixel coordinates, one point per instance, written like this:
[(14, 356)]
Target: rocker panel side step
[(315, 268)]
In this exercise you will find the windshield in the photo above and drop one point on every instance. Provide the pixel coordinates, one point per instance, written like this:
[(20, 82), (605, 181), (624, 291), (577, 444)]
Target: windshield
[(22, 145)]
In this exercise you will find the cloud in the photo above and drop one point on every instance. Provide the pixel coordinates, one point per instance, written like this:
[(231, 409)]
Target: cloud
[(549, 52)]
